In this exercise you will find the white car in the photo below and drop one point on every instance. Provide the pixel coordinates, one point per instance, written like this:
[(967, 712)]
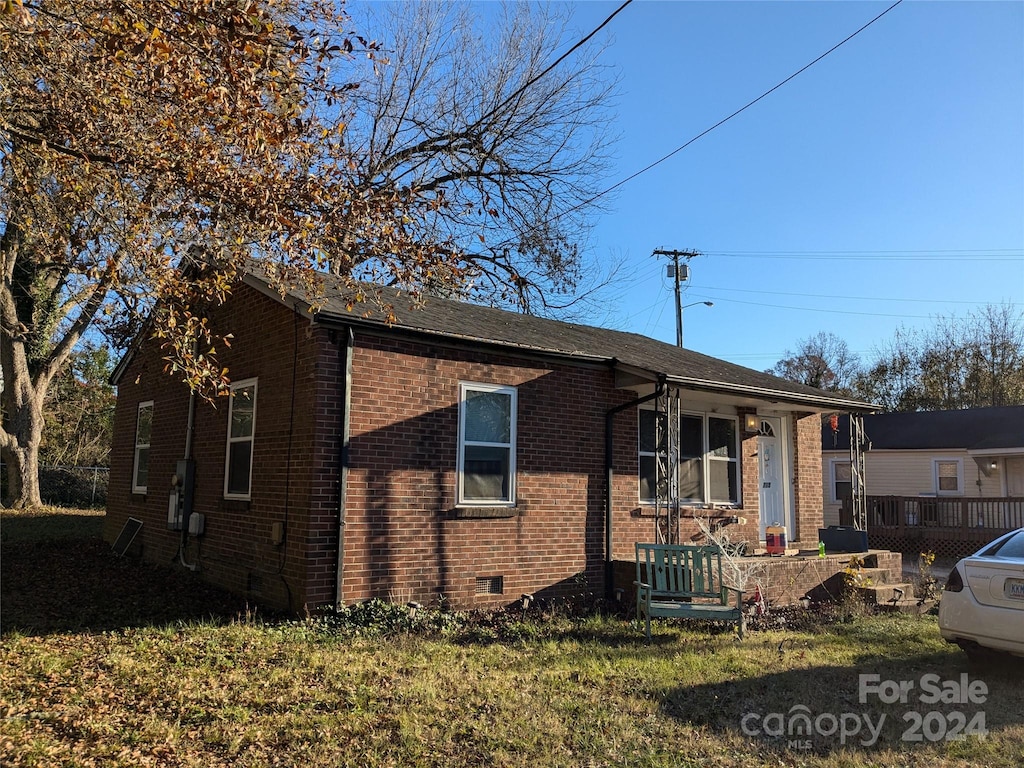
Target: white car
[(982, 607)]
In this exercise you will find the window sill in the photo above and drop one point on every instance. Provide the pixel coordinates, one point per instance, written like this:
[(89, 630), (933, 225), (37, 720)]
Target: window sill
[(717, 509), (482, 513)]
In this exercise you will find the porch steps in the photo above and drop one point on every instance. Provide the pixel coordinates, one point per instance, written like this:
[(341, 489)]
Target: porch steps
[(895, 596), (883, 577), (911, 605)]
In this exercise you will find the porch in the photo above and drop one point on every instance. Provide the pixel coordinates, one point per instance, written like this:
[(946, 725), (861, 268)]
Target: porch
[(788, 578), (949, 526)]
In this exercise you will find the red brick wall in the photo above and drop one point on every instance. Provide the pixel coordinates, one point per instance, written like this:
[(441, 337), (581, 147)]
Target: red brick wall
[(403, 538), (236, 550), (807, 492)]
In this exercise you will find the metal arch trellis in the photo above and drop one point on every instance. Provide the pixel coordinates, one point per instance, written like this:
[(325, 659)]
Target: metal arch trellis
[(859, 443), (666, 503)]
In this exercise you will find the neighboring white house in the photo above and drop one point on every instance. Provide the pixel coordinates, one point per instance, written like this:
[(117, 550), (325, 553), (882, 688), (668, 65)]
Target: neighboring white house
[(975, 453)]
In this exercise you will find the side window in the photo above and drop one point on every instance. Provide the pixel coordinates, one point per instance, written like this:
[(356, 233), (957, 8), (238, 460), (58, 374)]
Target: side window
[(653, 447), (949, 477), (241, 430), (691, 458), (143, 435), (487, 444), (842, 480), (708, 455), (723, 460)]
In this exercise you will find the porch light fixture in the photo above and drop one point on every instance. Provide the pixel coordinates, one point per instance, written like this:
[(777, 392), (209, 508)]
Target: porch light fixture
[(993, 464), (751, 423)]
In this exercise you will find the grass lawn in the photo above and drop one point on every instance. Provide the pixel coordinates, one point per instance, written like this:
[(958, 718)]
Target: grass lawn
[(110, 662)]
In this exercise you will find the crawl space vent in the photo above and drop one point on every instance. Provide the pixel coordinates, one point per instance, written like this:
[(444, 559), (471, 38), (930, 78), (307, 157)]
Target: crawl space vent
[(490, 585)]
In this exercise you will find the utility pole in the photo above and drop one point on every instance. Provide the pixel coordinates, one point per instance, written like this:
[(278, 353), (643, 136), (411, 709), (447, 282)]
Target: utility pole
[(675, 256)]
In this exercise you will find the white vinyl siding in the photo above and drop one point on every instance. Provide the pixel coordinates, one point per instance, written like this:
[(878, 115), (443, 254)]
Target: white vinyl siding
[(908, 473)]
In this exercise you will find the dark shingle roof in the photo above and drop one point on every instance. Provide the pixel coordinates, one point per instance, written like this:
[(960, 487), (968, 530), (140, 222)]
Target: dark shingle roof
[(488, 326), (971, 429)]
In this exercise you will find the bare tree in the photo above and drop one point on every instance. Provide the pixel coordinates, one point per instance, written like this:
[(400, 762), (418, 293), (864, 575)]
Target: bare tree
[(460, 113), (970, 362), (823, 361)]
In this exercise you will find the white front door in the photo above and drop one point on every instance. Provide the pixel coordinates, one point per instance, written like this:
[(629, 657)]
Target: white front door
[(771, 476)]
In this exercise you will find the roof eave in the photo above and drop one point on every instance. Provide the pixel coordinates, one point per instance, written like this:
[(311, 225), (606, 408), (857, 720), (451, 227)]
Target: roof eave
[(332, 319), (816, 402)]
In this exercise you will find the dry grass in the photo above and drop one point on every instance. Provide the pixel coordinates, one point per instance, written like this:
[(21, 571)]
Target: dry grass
[(181, 692)]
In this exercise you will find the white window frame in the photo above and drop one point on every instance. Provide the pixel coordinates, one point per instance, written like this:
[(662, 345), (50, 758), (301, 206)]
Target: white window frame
[(709, 457), (461, 500), (833, 463), (251, 438), (136, 488), (959, 475), (705, 458)]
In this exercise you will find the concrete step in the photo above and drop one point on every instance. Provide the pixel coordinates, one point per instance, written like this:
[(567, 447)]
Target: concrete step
[(880, 594), (908, 605), (880, 576)]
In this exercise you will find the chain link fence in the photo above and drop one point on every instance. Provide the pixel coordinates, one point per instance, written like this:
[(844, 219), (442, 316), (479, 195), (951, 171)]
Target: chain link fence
[(66, 486)]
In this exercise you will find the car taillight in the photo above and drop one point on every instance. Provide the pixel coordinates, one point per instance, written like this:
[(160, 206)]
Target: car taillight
[(954, 583)]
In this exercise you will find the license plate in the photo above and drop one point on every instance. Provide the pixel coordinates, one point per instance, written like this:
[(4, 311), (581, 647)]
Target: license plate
[(1014, 589)]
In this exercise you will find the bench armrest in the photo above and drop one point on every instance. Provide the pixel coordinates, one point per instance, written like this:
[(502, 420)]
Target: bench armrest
[(739, 595)]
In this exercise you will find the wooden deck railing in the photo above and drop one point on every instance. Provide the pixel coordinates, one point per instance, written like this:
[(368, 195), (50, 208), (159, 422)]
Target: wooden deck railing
[(945, 517)]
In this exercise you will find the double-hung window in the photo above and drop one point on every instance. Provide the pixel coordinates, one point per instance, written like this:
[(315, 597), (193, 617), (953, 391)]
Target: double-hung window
[(143, 435), (723, 460), (842, 480), (487, 444), (241, 431), (653, 455), (707, 447), (949, 477)]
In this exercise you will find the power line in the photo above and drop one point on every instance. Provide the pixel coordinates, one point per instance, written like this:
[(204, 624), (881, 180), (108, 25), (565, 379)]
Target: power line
[(974, 256), (724, 120), (826, 311), (518, 91), (962, 251), (844, 297)]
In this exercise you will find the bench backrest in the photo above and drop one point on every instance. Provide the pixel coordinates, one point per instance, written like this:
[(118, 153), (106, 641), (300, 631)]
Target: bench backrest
[(680, 569)]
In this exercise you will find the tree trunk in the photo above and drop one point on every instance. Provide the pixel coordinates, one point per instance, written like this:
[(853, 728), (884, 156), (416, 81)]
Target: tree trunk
[(22, 433), (23, 468)]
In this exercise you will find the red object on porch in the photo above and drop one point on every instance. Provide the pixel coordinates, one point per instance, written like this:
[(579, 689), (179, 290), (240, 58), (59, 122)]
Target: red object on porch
[(775, 539)]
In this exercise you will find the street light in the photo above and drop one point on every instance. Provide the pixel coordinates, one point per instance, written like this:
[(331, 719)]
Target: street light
[(686, 306)]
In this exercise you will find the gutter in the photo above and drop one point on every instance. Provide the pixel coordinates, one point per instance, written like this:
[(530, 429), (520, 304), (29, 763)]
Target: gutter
[(609, 455), (343, 459)]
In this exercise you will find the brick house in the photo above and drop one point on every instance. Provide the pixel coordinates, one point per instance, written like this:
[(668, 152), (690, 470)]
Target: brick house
[(462, 450)]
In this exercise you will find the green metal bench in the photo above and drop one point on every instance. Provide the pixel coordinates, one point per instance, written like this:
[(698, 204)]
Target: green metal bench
[(682, 581)]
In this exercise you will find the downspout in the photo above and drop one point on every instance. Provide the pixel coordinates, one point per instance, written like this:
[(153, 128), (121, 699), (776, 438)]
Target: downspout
[(609, 454), (189, 429), (343, 460)]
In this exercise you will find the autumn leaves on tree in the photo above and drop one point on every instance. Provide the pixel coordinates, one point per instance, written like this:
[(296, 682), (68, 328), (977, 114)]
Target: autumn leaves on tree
[(151, 151)]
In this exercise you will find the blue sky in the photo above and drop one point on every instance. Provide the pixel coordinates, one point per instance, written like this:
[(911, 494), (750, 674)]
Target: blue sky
[(893, 170)]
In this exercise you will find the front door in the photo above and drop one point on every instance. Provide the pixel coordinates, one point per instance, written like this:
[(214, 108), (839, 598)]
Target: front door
[(771, 476)]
